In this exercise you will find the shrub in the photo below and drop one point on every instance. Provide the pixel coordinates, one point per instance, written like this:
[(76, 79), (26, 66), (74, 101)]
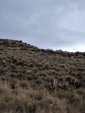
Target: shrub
[(81, 91), (24, 84), (63, 94)]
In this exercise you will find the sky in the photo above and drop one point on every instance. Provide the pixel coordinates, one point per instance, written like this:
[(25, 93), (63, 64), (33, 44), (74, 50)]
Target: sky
[(47, 24)]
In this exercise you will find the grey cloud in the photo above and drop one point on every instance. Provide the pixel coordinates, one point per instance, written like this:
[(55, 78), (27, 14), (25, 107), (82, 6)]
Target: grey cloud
[(43, 23)]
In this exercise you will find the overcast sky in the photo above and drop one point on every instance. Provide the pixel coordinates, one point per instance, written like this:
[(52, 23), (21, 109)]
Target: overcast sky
[(53, 24)]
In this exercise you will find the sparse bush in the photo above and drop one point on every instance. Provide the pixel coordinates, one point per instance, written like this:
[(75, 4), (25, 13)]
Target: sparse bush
[(63, 94), (81, 91), (24, 84), (40, 81)]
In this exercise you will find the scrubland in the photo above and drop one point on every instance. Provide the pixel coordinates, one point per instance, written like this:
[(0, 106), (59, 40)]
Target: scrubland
[(34, 80)]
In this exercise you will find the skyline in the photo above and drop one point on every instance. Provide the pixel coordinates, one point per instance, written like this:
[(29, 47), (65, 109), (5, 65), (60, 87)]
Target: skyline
[(46, 24)]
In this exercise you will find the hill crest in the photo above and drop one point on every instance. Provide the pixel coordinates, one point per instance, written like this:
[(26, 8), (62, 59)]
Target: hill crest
[(44, 80), (25, 46)]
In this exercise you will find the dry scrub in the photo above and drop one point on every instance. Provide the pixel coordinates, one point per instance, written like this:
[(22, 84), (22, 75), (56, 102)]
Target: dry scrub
[(34, 80)]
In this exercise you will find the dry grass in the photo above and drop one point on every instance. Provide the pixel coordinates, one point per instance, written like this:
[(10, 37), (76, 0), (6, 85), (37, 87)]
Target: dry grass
[(24, 101), (20, 100), (35, 80)]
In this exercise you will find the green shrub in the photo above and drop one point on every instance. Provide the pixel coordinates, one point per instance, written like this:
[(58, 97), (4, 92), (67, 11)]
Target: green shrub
[(63, 94)]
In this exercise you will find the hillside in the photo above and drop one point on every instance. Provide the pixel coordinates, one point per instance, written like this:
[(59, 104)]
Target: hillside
[(53, 80)]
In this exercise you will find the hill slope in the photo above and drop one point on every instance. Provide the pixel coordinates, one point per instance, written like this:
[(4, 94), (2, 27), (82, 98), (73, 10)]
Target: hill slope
[(58, 74)]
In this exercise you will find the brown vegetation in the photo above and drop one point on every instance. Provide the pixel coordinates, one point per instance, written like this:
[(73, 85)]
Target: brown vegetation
[(34, 80)]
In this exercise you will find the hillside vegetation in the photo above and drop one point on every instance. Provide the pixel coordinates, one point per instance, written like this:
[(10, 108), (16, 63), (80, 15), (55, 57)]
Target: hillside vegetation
[(34, 80)]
